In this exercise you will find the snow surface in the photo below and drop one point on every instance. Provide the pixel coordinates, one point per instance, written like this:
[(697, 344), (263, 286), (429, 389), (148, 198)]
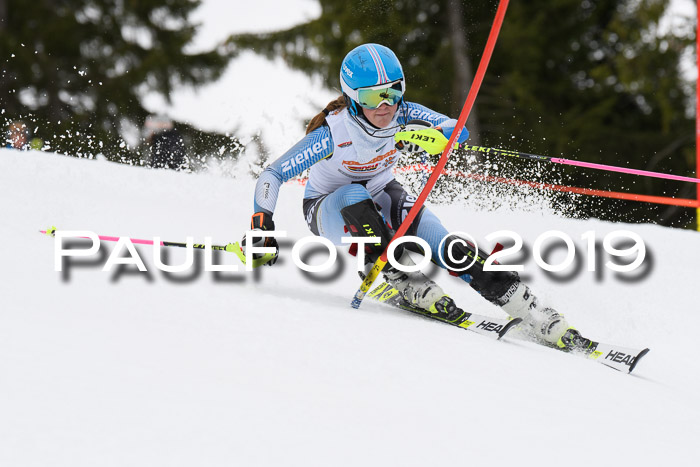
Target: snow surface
[(274, 368)]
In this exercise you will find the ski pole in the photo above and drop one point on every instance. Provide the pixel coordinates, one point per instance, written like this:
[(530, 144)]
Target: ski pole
[(234, 247), (589, 165), (466, 110)]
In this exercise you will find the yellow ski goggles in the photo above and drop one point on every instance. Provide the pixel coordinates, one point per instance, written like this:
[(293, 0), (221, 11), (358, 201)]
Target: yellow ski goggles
[(374, 96)]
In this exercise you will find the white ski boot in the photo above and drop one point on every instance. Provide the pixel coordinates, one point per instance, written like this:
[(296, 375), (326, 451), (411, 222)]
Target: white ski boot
[(543, 322), (417, 289)]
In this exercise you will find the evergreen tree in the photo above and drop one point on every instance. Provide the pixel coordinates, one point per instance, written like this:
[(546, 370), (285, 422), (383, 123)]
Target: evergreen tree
[(607, 90), (75, 70)]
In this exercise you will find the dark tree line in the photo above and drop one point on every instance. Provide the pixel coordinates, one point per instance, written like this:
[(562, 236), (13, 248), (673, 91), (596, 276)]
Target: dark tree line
[(593, 80), (75, 70)]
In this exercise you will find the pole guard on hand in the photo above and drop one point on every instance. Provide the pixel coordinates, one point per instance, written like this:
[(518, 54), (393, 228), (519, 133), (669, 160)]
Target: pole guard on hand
[(431, 140)]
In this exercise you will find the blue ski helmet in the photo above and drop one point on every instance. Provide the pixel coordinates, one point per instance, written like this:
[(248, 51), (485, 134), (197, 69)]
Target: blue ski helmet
[(370, 76)]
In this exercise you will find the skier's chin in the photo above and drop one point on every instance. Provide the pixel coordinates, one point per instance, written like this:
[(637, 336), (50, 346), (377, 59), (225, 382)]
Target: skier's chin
[(383, 122), (381, 117)]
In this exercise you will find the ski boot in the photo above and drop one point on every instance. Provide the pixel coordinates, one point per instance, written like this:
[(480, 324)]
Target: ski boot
[(572, 340), (543, 323), (421, 292), (363, 219)]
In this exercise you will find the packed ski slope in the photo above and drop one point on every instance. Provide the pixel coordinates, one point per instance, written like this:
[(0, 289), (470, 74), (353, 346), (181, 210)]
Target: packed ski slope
[(274, 368)]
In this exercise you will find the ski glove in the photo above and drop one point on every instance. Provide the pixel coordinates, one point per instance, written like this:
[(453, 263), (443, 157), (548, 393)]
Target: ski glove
[(263, 221), (426, 138), (413, 125)]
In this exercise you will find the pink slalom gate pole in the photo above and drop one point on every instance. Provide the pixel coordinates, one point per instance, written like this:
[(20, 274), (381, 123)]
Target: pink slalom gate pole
[(140, 241), (234, 247), (137, 241), (589, 165), (612, 168)]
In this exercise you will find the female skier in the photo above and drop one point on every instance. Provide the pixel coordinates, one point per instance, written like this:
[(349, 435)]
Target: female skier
[(350, 149)]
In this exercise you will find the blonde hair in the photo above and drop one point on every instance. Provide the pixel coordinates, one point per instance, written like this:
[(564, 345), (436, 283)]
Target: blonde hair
[(320, 118)]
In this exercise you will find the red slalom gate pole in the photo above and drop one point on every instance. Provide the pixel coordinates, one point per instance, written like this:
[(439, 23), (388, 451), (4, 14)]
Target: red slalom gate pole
[(697, 113), (683, 202), (463, 116)]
